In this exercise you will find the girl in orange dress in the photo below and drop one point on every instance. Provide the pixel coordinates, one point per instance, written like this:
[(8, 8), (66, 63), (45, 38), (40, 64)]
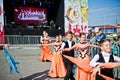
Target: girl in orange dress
[(45, 52), (57, 67), (83, 60), (45, 49)]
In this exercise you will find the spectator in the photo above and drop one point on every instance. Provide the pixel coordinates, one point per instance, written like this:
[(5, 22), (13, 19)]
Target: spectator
[(89, 35), (100, 35), (93, 41), (93, 38), (118, 39)]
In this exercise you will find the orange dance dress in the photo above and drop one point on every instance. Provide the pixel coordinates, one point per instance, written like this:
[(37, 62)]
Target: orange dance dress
[(45, 53), (84, 70), (57, 67)]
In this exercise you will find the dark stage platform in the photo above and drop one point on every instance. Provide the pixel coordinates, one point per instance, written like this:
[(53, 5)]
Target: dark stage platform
[(25, 31)]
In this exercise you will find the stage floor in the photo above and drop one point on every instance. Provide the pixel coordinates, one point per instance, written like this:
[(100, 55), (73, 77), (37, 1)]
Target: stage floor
[(25, 31)]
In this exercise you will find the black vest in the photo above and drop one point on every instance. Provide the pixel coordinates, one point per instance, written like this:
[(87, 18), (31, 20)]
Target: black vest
[(70, 53), (106, 71)]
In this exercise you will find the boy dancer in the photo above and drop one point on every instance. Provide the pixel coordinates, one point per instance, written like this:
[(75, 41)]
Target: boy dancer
[(104, 57), (68, 64)]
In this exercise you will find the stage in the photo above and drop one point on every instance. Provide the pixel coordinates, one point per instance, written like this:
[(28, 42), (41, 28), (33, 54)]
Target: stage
[(35, 31)]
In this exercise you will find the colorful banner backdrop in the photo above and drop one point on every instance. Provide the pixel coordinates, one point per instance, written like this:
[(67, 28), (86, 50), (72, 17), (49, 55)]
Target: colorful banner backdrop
[(76, 16), (29, 15), (1, 22)]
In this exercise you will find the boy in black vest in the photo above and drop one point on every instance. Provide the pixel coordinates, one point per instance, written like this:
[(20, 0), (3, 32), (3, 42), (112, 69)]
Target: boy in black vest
[(68, 64), (104, 57)]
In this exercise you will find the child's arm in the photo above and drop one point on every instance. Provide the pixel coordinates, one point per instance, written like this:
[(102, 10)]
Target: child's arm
[(69, 49), (110, 65), (53, 44), (91, 45), (94, 62)]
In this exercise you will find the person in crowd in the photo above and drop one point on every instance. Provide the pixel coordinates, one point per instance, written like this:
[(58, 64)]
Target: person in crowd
[(74, 38), (115, 48), (118, 40), (93, 41), (57, 66), (100, 35), (89, 35), (68, 64), (93, 38), (104, 57), (83, 60)]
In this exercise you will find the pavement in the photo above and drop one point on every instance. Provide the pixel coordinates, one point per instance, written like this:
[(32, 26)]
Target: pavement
[(31, 68)]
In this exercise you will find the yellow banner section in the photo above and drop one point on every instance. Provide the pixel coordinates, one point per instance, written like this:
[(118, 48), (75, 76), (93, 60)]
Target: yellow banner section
[(76, 16)]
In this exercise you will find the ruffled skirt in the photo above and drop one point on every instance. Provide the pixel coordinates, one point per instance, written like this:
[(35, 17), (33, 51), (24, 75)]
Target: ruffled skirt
[(57, 67)]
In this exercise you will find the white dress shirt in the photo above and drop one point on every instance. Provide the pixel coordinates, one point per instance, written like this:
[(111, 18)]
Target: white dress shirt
[(106, 57), (69, 43)]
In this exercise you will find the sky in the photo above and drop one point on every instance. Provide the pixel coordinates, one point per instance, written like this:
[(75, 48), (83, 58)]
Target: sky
[(103, 12)]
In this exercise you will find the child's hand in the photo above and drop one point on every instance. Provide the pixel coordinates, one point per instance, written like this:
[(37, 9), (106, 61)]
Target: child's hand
[(40, 45), (101, 65), (95, 70), (61, 51)]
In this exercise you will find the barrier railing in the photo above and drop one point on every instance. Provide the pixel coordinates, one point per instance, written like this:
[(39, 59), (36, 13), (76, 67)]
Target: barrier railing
[(18, 39)]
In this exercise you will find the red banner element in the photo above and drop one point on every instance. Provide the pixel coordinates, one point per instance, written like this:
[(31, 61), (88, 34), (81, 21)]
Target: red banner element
[(2, 40), (29, 15)]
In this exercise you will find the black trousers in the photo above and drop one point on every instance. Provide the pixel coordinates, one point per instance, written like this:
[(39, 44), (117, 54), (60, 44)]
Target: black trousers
[(69, 73)]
